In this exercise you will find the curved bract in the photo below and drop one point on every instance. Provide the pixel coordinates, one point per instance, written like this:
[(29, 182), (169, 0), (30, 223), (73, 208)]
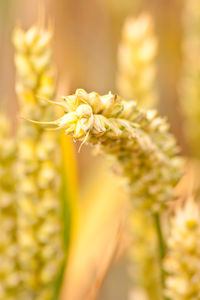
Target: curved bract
[(138, 140)]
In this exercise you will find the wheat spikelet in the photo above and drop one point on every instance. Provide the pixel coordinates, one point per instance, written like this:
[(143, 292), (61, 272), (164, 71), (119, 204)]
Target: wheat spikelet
[(138, 141), (136, 57), (39, 224), (182, 262), (9, 278)]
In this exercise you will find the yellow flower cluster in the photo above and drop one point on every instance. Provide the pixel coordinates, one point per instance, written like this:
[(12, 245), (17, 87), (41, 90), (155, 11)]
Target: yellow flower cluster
[(9, 278), (190, 91), (39, 216), (136, 57), (183, 261), (138, 140)]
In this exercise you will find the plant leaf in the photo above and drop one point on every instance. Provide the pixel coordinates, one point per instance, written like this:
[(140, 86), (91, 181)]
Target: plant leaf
[(69, 201)]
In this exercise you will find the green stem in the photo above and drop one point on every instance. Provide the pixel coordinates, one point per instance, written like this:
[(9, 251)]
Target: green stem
[(161, 246), (159, 235)]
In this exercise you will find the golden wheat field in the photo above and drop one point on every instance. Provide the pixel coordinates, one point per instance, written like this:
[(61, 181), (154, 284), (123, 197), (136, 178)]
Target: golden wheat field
[(99, 150)]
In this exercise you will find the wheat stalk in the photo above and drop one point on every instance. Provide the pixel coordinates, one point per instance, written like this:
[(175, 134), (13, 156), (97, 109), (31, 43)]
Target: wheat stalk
[(39, 224), (136, 58)]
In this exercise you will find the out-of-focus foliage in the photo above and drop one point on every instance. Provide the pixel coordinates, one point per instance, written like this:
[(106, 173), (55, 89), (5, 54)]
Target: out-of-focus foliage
[(190, 87), (136, 57)]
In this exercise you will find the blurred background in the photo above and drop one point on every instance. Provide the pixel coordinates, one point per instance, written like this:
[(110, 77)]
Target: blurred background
[(87, 34), (86, 38)]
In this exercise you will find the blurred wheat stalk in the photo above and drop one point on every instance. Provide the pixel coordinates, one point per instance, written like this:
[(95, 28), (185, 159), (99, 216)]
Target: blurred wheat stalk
[(9, 277), (34, 237), (136, 80), (39, 223), (136, 60)]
